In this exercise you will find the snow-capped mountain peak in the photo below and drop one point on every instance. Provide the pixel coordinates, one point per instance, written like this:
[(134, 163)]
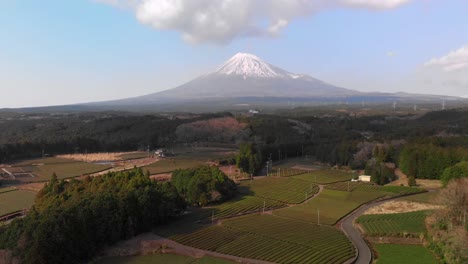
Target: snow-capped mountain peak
[(249, 65)]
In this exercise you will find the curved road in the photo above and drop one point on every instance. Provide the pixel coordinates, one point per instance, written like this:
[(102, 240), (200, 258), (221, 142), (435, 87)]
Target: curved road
[(364, 253)]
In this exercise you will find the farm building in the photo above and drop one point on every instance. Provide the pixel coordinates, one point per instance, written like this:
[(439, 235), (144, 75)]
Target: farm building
[(162, 153), (364, 178)]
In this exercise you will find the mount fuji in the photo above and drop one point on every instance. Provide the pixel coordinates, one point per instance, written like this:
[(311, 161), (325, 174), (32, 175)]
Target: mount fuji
[(245, 79), (245, 76)]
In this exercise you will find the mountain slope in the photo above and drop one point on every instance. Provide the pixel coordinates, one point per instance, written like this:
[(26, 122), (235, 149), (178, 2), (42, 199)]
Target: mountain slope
[(245, 76)]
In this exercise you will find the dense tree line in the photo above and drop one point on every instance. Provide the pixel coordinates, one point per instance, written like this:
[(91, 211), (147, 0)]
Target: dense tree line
[(31, 136), (203, 185), (72, 221), (428, 161)]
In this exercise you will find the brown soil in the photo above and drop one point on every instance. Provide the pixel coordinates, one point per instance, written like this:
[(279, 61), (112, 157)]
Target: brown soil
[(400, 206), (162, 177), (36, 186), (93, 157)]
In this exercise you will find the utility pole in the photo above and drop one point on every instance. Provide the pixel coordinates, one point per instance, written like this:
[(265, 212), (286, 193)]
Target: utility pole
[(212, 217), (318, 216), (264, 204)]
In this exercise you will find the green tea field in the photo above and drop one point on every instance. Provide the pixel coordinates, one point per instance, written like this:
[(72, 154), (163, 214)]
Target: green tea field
[(403, 254), (42, 169), (12, 201), (393, 224), (271, 238)]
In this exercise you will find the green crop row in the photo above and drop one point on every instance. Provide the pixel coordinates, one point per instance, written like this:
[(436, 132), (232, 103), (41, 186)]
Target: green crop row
[(398, 224), (286, 190), (272, 238)]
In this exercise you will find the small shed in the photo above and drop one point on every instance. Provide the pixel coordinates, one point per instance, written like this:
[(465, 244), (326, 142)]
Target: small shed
[(364, 178)]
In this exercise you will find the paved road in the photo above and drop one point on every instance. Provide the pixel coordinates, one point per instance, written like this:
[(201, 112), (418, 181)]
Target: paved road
[(363, 251)]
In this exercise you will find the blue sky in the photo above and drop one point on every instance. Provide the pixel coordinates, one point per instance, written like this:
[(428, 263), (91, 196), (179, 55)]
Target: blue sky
[(62, 52)]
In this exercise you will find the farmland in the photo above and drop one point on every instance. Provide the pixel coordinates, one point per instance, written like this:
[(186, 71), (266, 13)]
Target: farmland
[(286, 190), (330, 206), (42, 169), (325, 176), (403, 254), (161, 258), (171, 164), (271, 238), (392, 190), (245, 204), (393, 224), (15, 200)]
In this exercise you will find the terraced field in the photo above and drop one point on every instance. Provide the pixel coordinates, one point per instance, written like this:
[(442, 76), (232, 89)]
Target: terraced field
[(403, 254), (325, 176), (351, 186), (286, 190), (285, 172), (43, 169), (12, 201), (272, 238), (161, 258), (172, 164), (329, 206), (393, 224), (245, 204)]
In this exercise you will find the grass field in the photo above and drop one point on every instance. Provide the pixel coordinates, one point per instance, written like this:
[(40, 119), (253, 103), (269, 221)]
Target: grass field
[(283, 189), (134, 155), (393, 190), (427, 197), (325, 176), (403, 254), (172, 164), (64, 168), (6, 189), (245, 204), (13, 201), (330, 205), (393, 224), (270, 238), (161, 259)]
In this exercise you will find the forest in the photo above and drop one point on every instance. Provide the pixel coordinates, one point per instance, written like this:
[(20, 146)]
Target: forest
[(82, 217), (422, 145)]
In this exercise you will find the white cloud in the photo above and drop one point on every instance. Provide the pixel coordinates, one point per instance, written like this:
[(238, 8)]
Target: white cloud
[(454, 61), (391, 54), (221, 21)]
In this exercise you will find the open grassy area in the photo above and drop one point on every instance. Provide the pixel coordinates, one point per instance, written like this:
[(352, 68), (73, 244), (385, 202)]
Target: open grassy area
[(283, 189), (43, 169), (325, 176), (6, 189), (403, 254), (13, 201), (270, 238), (393, 224), (245, 204), (171, 164), (427, 197), (161, 259), (134, 155), (330, 205)]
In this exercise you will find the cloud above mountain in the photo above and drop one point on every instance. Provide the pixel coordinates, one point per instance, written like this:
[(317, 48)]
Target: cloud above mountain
[(453, 61), (221, 21)]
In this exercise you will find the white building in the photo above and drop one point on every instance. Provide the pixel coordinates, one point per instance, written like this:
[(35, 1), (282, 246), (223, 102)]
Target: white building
[(364, 178)]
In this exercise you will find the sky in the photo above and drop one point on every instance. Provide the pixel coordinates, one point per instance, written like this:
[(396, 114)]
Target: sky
[(55, 52)]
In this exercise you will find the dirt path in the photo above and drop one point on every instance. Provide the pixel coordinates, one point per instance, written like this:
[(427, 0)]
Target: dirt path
[(149, 243)]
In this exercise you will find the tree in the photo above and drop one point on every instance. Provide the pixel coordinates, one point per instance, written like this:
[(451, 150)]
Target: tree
[(411, 181), (459, 170), (248, 159)]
